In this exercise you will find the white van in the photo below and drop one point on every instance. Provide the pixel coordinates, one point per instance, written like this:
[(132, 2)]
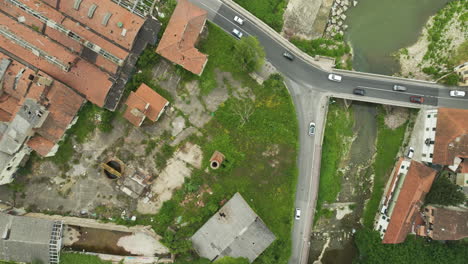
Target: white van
[(410, 153)]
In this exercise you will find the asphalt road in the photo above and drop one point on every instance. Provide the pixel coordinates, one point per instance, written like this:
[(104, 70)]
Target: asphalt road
[(309, 87)]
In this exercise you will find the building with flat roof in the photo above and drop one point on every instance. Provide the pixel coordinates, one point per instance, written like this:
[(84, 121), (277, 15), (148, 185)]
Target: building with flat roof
[(35, 112), (144, 103), (28, 239), (410, 182), (444, 223), (91, 46), (178, 42), (235, 231)]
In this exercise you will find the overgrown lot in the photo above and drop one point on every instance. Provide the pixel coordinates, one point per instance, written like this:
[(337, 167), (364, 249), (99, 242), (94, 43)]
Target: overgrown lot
[(269, 11), (258, 136)]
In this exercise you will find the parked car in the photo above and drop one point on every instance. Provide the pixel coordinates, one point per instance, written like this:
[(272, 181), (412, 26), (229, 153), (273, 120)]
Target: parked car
[(358, 91), (239, 20), (311, 128), (297, 214), (334, 77), (237, 33), (288, 55), (456, 93), (416, 99), (410, 152), (399, 88)]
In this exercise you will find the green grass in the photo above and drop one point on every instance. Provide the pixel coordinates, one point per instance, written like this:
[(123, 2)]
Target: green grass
[(335, 48), (338, 128), (269, 11), (388, 144), (73, 258)]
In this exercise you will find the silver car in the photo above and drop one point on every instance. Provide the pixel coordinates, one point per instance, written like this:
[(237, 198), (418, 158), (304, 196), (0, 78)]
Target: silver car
[(237, 33), (311, 128)]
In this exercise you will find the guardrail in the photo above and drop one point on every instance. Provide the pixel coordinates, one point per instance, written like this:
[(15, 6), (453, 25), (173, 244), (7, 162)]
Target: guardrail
[(380, 76), (283, 41)]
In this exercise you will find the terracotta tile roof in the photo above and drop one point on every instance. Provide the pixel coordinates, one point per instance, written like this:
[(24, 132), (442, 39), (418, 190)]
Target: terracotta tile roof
[(124, 35), (177, 43), (144, 103), (447, 223), (463, 167), (417, 183), (451, 136), (83, 76)]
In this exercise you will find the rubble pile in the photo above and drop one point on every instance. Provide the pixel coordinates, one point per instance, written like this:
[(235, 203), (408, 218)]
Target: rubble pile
[(335, 24)]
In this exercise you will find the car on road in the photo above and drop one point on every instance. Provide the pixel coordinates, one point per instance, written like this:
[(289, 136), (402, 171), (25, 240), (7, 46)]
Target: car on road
[(297, 213), (456, 93), (239, 20), (237, 33), (410, 152), (416, 99), (288, 55), (399, 88), (311, 128), (358, 91), (334, 77)]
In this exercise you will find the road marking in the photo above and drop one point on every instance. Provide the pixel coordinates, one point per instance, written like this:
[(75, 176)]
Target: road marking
[(391, 91)]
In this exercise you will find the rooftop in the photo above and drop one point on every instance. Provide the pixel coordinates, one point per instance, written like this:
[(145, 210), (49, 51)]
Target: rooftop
[(235, 230), (451, 136), (408, 197), (144, 103), (447, 223), (177, 43)]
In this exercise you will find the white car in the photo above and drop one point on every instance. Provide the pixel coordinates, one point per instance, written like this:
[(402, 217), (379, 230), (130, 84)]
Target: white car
[(237, 33), (297, 214), (311, 128), (239, 20), (456, 93), (410, 152), (334, 77)]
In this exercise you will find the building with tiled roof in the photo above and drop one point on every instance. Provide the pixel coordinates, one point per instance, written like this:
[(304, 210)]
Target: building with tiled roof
[(35, 112), (444, 223), (144, 103), (451, 137), (89, 45), (178, 42), (409, 184)]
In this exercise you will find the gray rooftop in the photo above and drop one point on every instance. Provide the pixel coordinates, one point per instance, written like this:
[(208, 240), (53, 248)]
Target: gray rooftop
[(24, 239), (235, 230)]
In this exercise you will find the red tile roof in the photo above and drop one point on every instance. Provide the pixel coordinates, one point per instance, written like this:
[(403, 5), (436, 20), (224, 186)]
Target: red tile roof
[(463, 167), (145, 102), (177, 43), (83, 76), (451, 136), (447, 223), (417, 183), (124, 35)]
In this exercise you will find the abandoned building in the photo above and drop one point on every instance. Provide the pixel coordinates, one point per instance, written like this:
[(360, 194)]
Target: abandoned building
[(235, 231), (27, 239), (444, 223), (409, 184), (35, 112), (144, 103), (179, 39), (90, 46)]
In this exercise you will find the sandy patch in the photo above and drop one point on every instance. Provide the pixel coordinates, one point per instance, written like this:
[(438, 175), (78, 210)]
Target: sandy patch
[(142, 244), (191, 154), (396, 116), (342, 212), (178, 124)]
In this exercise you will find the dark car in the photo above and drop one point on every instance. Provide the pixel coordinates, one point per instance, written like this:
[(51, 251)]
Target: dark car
[(288, 56), (358, 91), (416, 99)]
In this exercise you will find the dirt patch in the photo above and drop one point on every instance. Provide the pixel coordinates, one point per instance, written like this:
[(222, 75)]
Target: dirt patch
[(396, 116), (142, 245)]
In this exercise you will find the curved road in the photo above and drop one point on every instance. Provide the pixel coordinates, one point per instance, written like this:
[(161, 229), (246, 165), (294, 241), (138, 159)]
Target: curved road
[(310, 90)]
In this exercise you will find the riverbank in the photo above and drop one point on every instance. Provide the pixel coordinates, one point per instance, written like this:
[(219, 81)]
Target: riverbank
[(436, 51)]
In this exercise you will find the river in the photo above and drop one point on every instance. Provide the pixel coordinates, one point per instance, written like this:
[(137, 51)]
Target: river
[(379, 28)]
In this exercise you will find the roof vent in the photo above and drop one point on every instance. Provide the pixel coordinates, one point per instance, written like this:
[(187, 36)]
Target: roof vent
[(120, 24), (91, 10), (105, 19), (77, 4)]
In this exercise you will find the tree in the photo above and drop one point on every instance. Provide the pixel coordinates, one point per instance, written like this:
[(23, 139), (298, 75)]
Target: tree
[(244, 109), (444, 192), (231, 260), (249, 53)]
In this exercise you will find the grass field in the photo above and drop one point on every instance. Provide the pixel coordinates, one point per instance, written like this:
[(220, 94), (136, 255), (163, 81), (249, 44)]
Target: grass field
[(388, 144), (270, 190), (269, 11), (338, 128), (72, 258)]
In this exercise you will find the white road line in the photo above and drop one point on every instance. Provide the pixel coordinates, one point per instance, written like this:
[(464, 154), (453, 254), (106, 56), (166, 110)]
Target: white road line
[(227, 19)]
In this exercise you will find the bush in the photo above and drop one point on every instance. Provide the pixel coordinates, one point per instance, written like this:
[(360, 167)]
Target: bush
[(269, 11), (444, 192)]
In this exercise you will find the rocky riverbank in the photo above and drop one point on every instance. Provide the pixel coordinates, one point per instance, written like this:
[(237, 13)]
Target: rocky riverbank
[(336, 22), (436, 51)]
